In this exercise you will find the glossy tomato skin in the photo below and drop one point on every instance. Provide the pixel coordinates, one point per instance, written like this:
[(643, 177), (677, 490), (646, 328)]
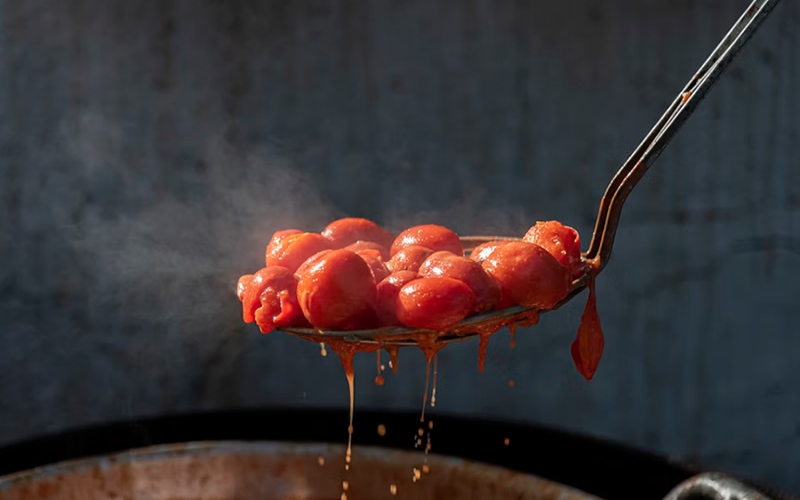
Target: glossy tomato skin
[(408, 258), (274, 278), (241, 286), (337, 291), (562, 242), (482, 251), (274, 246), (388, 289), (376, 267), (482, 284), (295, 249), (437, 238), (369, 248), (434, 303), (344, 232), (528, 275)]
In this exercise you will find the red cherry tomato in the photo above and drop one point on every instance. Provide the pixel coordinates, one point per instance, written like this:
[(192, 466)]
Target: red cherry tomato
[(480, 252), (337, 291), (376, 267), (371, 248), (279, 308), (434, 303), (242, 285), (274, 245), (528, 275), (448, 265), (295, 249), (274, 278), (344, 232), (563, 243), (437, 238), (387, 296), (408, 258)]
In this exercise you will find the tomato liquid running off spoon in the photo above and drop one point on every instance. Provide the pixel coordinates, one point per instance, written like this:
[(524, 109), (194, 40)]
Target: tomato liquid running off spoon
[(599, 251)]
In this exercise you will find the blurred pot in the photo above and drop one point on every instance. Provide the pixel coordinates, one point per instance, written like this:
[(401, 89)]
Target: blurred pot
[(291, 454)]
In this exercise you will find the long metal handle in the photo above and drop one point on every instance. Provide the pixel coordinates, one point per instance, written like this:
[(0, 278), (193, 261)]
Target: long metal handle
[(647, 152)]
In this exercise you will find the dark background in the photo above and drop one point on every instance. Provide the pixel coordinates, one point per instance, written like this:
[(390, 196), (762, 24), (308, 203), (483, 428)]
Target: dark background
[(149, 149)]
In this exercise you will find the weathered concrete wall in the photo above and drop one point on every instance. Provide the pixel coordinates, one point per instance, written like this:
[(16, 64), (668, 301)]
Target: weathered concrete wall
[(148, 149)]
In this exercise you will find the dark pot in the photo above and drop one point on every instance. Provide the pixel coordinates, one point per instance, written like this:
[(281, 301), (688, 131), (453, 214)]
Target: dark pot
[(276, 455)]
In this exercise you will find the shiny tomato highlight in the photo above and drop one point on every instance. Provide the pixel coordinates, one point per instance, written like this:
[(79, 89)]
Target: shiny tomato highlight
[(434, 303), (437, 238), (528, 275), (448, 265), (337, 291)]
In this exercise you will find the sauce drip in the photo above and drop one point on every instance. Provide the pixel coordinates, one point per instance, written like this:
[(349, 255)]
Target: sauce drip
[(393, 351), (429, 348), (483, 345), (346, 352), (322, 349), (435, 373), (587, 349), (512, 330), (379, 380)]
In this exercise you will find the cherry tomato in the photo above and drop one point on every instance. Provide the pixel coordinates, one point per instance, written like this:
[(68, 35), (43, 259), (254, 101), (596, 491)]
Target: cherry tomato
[(295, 249), (434, 303), (275, 278), (344, 232), (274, 245), (528, 275), (563, 243), (480, 252), (387, 296), (371, 248), (241, 286), (376, 267), (448, 265), (437, 238), (337, 291), (408, 258), (279, 308)]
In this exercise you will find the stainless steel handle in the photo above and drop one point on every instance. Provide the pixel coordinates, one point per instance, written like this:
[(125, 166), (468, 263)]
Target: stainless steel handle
[(714, 486)]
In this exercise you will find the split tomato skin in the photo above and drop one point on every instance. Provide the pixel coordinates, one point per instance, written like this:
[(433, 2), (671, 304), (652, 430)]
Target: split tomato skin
[(344, 232), (369, 248), (484, 250), (562, 242), (528, 275), (295, 249), (388, 289), (448, 265), (435, 237), (272, 281), (336, 291), (274, 246), (434, 303), (408, 258)]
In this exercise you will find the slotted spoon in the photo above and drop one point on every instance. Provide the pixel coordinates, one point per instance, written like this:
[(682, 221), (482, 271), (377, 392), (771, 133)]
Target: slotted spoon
[(597, 255)]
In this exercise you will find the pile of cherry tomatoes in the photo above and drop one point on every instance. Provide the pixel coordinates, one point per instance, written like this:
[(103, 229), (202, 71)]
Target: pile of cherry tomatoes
[(356, 275)]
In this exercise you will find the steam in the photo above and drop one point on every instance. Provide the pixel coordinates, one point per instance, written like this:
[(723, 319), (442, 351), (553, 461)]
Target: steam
[(174, 262), (163, 247)]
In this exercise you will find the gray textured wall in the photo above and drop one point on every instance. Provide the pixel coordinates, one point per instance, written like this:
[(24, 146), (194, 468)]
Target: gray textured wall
[(148, 149)]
